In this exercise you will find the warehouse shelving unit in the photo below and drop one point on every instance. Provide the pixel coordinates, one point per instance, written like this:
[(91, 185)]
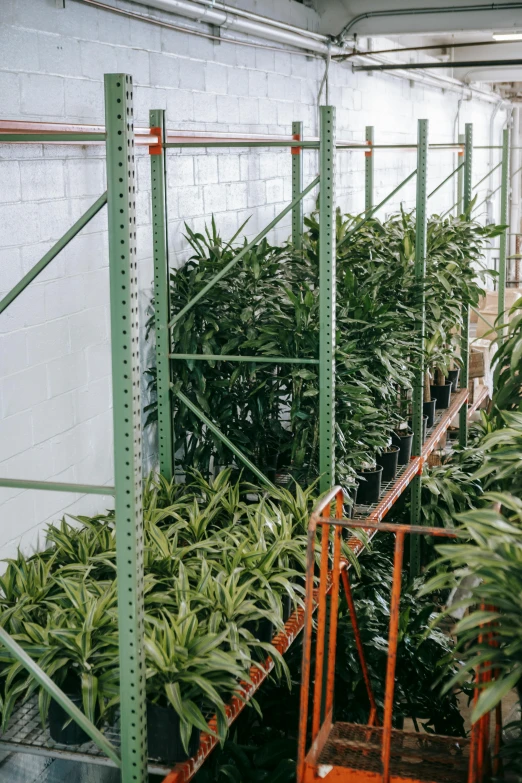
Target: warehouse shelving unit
[(125, 746)]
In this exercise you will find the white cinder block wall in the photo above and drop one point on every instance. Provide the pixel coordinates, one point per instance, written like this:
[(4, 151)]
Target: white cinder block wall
[(55, 388)]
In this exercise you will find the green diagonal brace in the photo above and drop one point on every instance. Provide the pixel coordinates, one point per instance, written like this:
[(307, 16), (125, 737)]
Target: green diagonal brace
[(242, 253), (455, 171), (59, 696), (53, 252), (223, 438), (372, 212)]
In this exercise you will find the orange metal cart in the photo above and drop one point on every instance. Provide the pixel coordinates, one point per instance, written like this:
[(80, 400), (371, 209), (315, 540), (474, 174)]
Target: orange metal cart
[(352, 752)]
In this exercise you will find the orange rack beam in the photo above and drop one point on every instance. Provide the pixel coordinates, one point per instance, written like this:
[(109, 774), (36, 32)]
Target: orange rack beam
[(481, 397), (185, 771)]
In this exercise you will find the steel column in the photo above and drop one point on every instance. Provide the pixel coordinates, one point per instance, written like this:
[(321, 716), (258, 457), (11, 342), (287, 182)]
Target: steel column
[(327, 298), (297, 186), (368, 171), (121, 189), (464, 344), (418, 383), (161, 296), (460, 180), (504, 200)]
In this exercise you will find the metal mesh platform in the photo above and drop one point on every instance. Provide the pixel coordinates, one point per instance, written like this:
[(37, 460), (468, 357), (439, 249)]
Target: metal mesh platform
[(26, 735), (443, 416), (415, 756)]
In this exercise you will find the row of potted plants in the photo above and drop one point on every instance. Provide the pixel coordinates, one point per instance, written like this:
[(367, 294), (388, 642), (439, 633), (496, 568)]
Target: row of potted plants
[(269, 306), (223, 570)]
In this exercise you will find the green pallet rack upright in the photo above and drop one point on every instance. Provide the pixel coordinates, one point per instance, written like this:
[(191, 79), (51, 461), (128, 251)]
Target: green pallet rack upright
[(421, 225), (504, 201), (120, 199), (464, 343), (125, 338)]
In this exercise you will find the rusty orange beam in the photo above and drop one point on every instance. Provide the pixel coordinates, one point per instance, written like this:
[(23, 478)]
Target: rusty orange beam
[(459, 399)]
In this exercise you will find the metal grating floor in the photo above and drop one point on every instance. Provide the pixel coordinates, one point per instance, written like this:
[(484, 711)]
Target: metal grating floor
[(26, 735), (414, 756)]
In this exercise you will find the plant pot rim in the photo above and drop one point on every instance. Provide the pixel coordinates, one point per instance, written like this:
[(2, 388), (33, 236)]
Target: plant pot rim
[(390, 450), (376, 469), (440, 385)]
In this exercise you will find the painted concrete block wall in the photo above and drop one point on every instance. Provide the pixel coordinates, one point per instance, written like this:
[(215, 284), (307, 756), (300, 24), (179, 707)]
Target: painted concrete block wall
[(55, 387)]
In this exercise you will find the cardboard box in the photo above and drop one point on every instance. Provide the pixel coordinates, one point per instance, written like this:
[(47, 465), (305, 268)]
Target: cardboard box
[(473, 389), (477, 364)]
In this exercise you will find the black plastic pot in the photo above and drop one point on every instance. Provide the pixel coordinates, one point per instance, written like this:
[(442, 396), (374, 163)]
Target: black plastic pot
[(369, 486), (424, 427), (442, 394), (453, 378), (287, 607), (389, 461), (428, 409), (72, 734), (262, 629), (404, 443), (164, 737)]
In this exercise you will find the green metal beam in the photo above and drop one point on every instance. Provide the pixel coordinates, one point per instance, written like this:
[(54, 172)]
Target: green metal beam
[(126, 376), (242, 253), (490, 172), (223, 438), (491, 326), (59, 696), (368, 170), (59, 138), (447, 179), (53, 252), (464, 343), (421, 229), (162, 300), (57, 486), (504, 201), (219, 357), (327, 298), (297, 186)]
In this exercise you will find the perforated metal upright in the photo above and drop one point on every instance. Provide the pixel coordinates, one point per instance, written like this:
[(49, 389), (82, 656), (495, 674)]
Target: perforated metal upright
[(368, 171), (161, 295), (464, 343), (420, 275), (297, 186), (327, 297), (121, 193), (504, 201), (460, 177)]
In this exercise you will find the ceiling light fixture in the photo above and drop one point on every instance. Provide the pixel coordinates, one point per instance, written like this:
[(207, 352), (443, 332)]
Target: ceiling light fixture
[(515, 36)]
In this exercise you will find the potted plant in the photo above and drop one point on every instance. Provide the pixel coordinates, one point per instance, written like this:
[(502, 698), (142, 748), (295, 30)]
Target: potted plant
[(189, 670), (388, 459), (369, 477)]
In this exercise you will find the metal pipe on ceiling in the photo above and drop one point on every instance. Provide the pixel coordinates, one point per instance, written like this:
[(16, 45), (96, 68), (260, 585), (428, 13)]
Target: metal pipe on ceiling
[(303, 43), (435, 64), (229, 19), (448, 9), (459, 45)]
